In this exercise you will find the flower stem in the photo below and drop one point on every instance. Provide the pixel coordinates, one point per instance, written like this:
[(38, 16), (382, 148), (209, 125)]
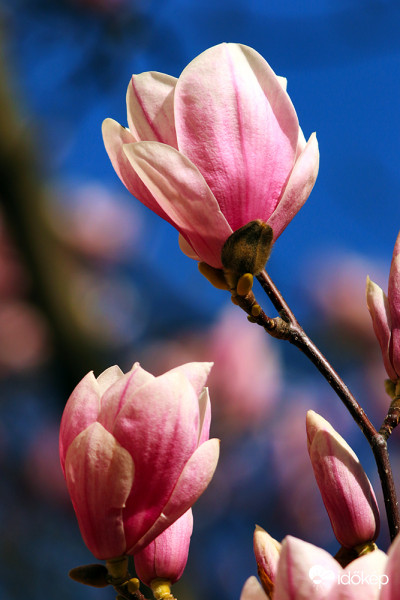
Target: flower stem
[(287, 327)]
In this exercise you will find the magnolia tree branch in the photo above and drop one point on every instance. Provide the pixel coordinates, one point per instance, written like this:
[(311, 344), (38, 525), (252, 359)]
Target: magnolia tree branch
[(287, 327)]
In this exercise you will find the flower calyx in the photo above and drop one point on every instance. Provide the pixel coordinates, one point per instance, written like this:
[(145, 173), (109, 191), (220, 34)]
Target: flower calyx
[(246, 252)]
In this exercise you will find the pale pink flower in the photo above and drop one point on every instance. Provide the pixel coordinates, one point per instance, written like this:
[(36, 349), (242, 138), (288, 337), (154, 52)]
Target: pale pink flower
[(385, 314), (345, 489), (135, 453), (166, 556), (214, 149)]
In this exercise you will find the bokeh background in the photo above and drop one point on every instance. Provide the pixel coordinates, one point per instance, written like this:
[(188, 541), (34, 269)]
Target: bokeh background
[(90, 278)]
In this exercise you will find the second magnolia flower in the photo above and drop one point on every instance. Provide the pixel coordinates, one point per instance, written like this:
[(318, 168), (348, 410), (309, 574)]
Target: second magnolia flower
[(215, 149), (135, 452)]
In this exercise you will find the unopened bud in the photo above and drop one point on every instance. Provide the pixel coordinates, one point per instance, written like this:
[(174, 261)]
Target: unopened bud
[(345, 489), (266, 551), (247, 250)]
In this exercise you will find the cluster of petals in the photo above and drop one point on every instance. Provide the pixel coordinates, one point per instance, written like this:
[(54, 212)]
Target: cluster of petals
[(345, 488), (214, 149), (306, 572), (135, 453), (385, 314)]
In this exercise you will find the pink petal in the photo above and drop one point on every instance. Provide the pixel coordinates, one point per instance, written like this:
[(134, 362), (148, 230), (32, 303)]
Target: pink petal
[(194, 479), (298, 188), (183, 194), (114, 137), (121, 392), (150, 103), (159, 428), (252, 590), (205, 416), (99, 474), (81, 410), (304, 571), (196, 372), (378, 307), (391, 585), (301, 143), (108, 377), (187, 249), (236, 123), (394, 304), (166, 556)]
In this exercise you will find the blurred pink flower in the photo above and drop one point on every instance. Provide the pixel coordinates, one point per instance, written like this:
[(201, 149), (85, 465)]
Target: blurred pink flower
[(135, 453), (25, 340), (166, 556), (95, 222), (42, 466), (246, 380), (338, 290), (385, 314), (345, 489), (248, 398), (214, 149)]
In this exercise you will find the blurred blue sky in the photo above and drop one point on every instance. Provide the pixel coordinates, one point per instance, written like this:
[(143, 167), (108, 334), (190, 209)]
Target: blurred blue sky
[(341, 59)]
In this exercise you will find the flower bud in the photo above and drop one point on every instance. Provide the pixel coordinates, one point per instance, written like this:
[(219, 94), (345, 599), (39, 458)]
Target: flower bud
[(166, 556), (345, 489), (266, 551)]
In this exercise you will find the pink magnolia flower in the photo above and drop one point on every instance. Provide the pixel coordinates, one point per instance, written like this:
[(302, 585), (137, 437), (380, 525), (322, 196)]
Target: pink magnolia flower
[(345, 489), (306, 572), (214, 149), (135, 453), (166, 557), (385, 314)]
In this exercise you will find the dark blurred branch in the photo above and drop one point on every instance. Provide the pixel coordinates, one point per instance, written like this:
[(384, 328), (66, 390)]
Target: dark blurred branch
[(23, 199)]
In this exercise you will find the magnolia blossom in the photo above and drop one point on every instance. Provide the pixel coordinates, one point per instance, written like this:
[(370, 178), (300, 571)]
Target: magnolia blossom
[(385, 314), (165, 557), (215, 149), (135, 453), (306, 572), (345, 489)]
